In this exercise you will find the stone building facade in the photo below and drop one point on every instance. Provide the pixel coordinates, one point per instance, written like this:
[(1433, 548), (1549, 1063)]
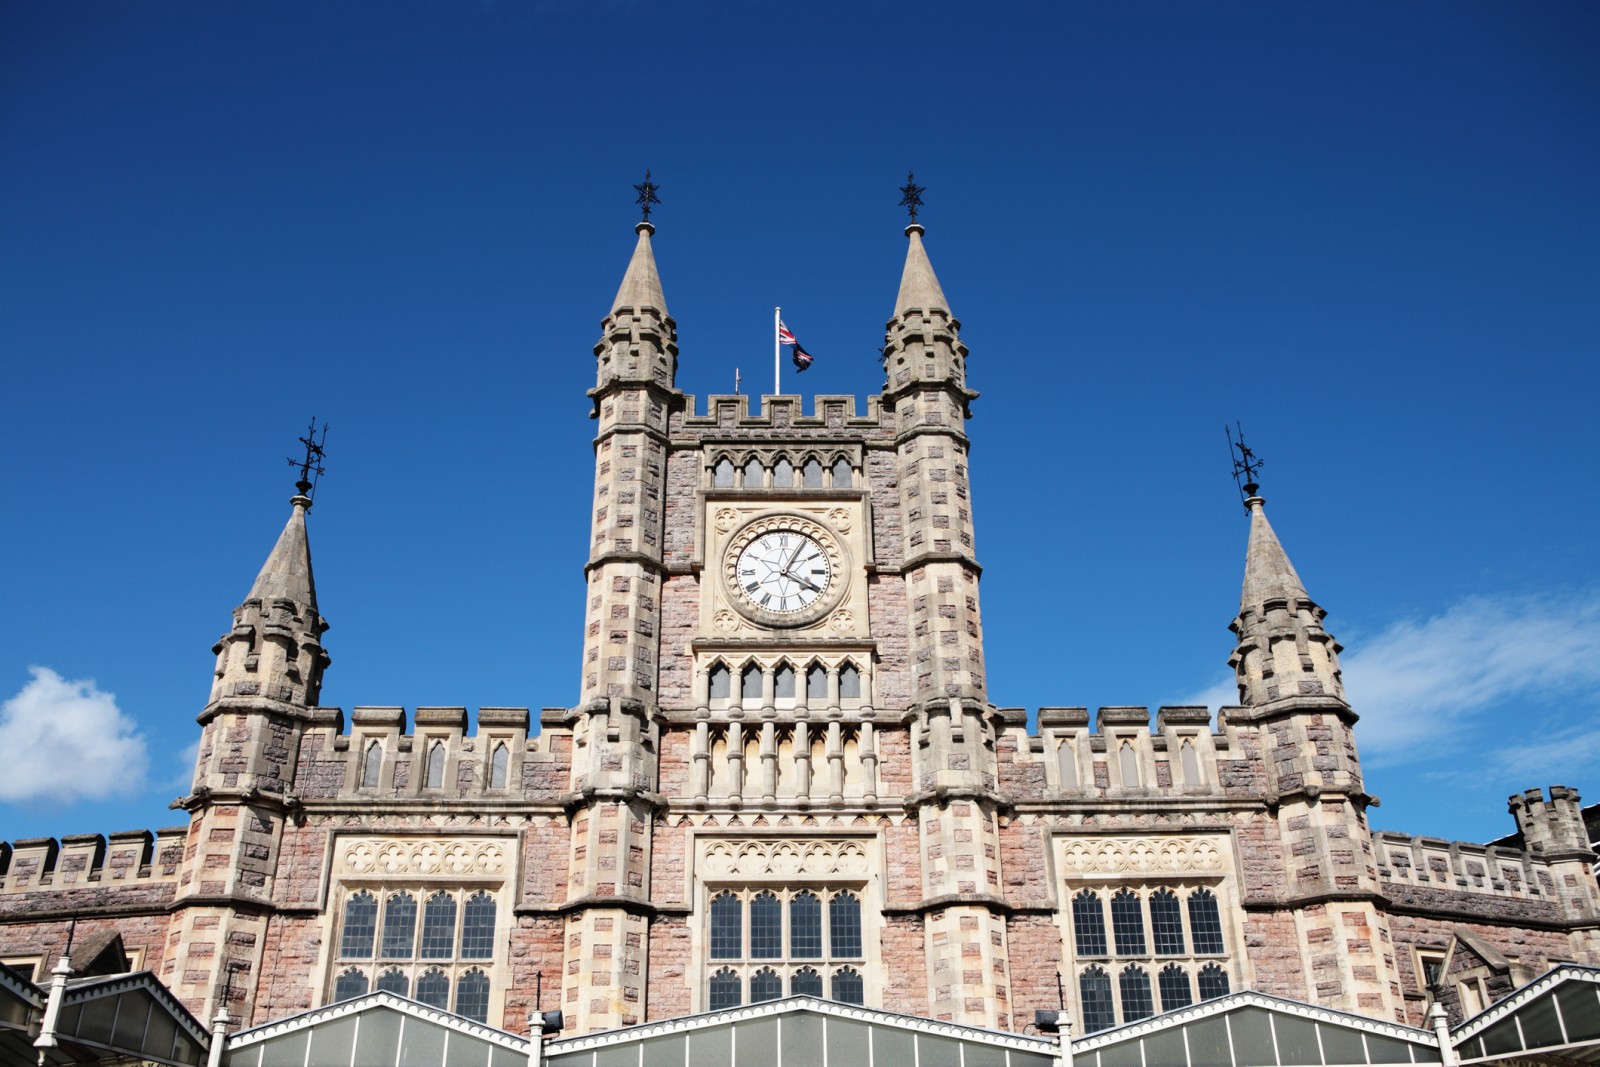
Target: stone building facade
[(783, 774)]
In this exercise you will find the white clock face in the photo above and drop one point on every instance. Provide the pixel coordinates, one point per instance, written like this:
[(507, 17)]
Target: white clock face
[(783, 571)]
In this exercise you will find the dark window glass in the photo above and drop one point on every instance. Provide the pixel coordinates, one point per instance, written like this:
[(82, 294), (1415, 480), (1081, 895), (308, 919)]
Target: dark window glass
[(849, 682), (394, 981), (844, 928), (1213, 982), (754, 476), (472, 995), (765, 985), (817, 683), (351, 983), (811, 474), (806, 982), (477, 929), (783, 478), (438, 930), (727, 935), (805, 928), (1175, 990), (1136, 1004), (719, 683), (1432, 971), (399, 927), (371, 766), (848, 987), (722, 473), (750, 683), (1127, 923), (725, 992), (360, 927), (841, 474), (783, 682), (1089, 924), (499, 767), (433, 989), (1094, 990), (1166, 923), (766, 929), (1204, 923), (436, 766)]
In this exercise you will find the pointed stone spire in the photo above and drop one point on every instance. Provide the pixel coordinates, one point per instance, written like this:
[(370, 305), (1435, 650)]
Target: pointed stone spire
[(922, 342), (919, 286), (641, 284), (287, 571), (1282, 651)]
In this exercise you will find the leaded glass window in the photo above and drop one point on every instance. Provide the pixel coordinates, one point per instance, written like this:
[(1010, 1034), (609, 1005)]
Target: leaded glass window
[(1175, 989), (1213, 982), (805, 927), (765, 985), (766, 927), (1094, 993), (1127, 923), (499, 767), (1205, 925), (399, 927), (727, 934), (1166, 923), (848, 987), (394, 981), (352, 983), (433, 989), (844, 926), (805, 982), (725, 990), (477, 928), (472, 995), (1136, 1003), (360, 927), (438, 929), (1089, 924)]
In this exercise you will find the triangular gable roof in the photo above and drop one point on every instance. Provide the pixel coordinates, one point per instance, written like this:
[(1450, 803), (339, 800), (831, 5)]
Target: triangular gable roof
[(809, 1031), (380, 1021), (1554, 1017), (1257, 1029), (129, 1015)]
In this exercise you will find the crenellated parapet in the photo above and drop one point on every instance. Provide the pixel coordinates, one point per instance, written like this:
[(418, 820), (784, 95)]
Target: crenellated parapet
[(90, 870)]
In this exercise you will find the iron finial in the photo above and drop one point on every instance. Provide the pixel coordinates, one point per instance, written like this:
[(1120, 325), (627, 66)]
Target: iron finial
[(647, 195), (911, 195), (311, 466), (1245, 464)]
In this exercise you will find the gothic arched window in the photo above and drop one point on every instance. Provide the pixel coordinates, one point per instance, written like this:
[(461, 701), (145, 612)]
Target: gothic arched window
[(725, 992), (766, 929), (1128, 760), (352, 983), (806, 982), (360, 927), (372, 765), (499, 766), (848, 987), (754, 475), (1136, 1003), (1190, 760), (1205, 925), (1127, 923), (782, 478), (783, 682), (1166, 922), (1175, 991), (435, 778), (394, 981), (841, 473), (1094, 995), (849, 682), (722, 474), (805, 928), (811, 473), (717, 683), (477, 928), (472, 996), (750, 683), (727, 933), (438, 930), (844, 926), (433, 989), (399, 927), (1089, 924), (765, 985), (1213, 982), (817, 682), (1067, 765)]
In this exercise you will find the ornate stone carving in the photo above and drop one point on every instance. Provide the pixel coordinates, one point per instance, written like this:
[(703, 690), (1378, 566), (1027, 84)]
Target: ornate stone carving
[(785, 859), (1133, 855), (451, 858), (839, 518), (725, 621), (726, 519)]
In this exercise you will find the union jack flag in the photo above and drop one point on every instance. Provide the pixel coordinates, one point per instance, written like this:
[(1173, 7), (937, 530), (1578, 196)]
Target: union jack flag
[(784, 336)]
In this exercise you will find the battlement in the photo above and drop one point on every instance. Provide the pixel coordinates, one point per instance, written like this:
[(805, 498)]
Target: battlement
[(81, 861), (1462, 867), (732, 412)]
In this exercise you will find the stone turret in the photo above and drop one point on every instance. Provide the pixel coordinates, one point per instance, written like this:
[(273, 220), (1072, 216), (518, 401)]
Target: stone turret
[(616, 725), (1552, 829), (268, 677), (952, 724)]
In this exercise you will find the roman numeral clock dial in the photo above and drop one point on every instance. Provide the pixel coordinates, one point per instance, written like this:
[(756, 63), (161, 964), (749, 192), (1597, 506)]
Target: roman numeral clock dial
[(783, 575)]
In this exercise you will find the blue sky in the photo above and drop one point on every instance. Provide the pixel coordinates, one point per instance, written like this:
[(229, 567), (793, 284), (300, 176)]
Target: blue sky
[(1367, 231)]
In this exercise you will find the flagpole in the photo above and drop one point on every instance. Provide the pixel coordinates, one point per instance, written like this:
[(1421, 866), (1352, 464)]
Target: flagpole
[(777, 364)]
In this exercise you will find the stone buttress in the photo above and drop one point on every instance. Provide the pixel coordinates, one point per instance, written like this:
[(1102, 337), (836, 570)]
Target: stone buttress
[(268, 678), (1292, 696), (616, 725), (952, 726)]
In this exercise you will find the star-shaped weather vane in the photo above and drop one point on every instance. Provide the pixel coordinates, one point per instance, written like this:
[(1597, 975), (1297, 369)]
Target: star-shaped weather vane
[(911, 197), (1245, 464), (647, 195), (311, 466)]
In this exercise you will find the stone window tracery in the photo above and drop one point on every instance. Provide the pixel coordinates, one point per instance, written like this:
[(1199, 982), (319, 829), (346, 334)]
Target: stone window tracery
[(764, 940), (841, 473), (722, 474), (811, 473), (783, 474), (457, 926)]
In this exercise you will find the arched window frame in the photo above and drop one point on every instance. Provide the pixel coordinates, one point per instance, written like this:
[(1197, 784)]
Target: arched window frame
[(842, 473), (500, 766), (437, 757), (372, 764), (722, 470), (719, 682)]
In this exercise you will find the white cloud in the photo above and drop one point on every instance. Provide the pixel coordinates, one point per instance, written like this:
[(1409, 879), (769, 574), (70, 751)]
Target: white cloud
[(67, 740), (1420, 684)]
